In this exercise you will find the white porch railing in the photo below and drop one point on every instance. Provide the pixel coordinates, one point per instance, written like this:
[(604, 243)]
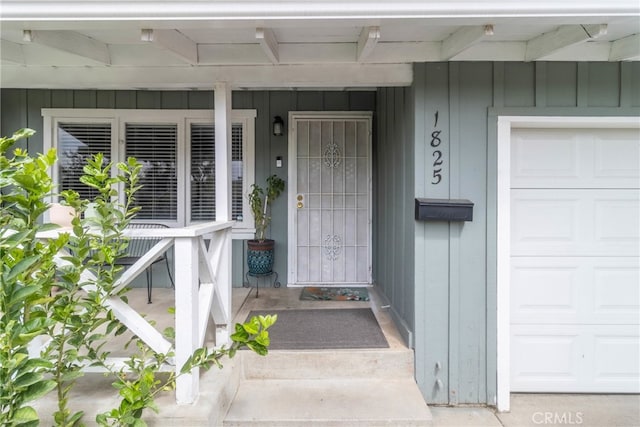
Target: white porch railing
[(202, 290)]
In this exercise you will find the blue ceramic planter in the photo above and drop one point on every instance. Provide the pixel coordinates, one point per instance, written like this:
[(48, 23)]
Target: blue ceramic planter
[(260, 257)]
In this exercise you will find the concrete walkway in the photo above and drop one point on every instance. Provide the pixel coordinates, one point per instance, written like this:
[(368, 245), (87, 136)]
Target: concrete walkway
[(534, 410), (526, 409)]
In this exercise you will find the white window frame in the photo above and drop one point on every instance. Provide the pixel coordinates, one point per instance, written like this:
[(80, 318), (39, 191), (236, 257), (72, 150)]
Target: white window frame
[(183, 119)]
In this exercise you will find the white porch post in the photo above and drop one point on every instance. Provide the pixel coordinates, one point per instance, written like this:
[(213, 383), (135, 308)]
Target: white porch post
[(222, 106), (186, 271)]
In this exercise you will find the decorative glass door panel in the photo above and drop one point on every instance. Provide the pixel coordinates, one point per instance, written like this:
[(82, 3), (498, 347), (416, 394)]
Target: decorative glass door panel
[(332, 201)]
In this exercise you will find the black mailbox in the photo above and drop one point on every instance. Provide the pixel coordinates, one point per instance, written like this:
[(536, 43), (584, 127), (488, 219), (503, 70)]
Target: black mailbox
[(444, 210)]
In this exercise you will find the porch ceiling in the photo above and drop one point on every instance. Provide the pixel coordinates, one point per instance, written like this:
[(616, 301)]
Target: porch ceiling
[(254, 44)]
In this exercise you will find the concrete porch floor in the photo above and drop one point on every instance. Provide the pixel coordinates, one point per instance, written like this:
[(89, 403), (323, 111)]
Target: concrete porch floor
[(94, 394)]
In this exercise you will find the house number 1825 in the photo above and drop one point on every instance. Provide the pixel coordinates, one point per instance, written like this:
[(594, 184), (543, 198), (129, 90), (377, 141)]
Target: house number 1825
[(436, 153)]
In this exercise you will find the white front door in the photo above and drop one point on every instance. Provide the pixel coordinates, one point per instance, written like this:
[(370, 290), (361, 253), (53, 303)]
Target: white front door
[(330, 199)]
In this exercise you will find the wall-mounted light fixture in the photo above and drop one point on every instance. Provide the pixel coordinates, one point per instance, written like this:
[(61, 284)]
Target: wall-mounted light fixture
[(278, 126)]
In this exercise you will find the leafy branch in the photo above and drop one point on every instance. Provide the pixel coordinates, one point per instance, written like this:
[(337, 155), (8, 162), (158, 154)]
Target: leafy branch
[(140, 384)]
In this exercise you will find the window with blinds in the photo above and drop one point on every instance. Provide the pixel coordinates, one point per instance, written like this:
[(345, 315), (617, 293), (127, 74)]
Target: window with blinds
[(77, 143), (155, 146), (203, 190), (237, 172), (203, 172), (176, 149)]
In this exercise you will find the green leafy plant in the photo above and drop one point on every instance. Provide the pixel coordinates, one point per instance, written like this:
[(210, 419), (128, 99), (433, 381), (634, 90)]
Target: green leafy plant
[(259, 208), (53, 316), (82, 322), (50, 308), (26, 275), (139, 385)]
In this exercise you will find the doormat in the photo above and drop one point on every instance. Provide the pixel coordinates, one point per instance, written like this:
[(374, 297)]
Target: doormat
[(319, 329), (334, 294)]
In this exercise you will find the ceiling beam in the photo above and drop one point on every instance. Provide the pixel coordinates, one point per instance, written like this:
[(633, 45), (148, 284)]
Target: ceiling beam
[(463, 39), (11, 52), (203, 77), (367, 41), (562, 37), (269, 43), (71, 42), (173, 41), (626, 49)]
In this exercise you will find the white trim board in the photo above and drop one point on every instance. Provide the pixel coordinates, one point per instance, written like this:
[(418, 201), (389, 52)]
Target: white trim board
[(229, 11), (505, 126), (202, 77)]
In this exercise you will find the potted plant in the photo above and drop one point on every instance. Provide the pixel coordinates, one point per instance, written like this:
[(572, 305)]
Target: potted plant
[(260, 249)]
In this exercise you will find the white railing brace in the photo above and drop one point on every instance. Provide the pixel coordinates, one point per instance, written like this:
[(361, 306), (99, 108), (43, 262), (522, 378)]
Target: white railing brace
[(202, 289)]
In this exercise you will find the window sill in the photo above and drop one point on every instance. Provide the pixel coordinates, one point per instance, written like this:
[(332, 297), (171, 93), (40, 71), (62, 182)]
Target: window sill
[(243, 233)]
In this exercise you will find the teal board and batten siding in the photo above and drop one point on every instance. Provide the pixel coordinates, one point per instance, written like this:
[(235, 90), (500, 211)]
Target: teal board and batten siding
[(393, 192), (279, 103), (455, 263), (22, 108)]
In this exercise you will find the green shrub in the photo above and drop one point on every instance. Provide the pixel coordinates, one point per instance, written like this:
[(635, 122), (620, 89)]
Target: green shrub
[(53, 318)]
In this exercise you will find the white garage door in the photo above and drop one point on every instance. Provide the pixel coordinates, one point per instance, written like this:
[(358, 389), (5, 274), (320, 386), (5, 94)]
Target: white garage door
[(575, 260)]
